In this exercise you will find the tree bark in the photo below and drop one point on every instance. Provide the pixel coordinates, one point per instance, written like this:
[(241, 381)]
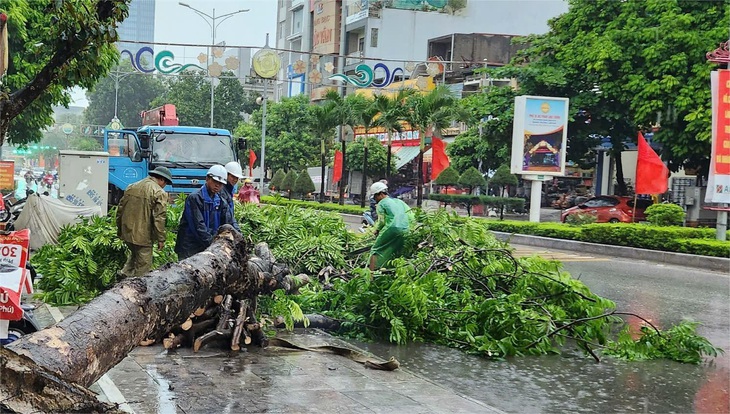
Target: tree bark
[(48, 370)]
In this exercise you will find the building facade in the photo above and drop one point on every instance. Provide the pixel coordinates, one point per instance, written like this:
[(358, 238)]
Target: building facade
[(396, 34), (139, 26)]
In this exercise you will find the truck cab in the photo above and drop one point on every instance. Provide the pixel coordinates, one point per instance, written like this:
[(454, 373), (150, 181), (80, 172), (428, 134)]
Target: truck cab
[(186, 150)]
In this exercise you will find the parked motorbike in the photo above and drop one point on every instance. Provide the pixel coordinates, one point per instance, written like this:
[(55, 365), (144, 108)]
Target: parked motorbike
[(13, 207), (28, 323)]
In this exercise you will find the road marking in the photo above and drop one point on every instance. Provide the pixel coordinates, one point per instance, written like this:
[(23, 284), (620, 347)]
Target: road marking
[(559, 256), (107, 386)]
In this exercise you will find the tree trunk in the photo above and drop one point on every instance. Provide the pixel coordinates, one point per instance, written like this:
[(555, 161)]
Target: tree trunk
[(47, 370), (388, 159), (620, 181)]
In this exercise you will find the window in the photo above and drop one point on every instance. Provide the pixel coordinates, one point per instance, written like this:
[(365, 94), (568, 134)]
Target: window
[(373, 37), (282, 29), (361, 44), (297, 17)]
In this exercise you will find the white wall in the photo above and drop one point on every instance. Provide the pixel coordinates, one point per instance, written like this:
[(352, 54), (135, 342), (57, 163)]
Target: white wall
[(404, 34)]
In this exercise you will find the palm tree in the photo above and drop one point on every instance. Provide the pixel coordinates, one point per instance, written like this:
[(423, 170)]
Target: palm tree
[(326, 118), (429, 113), (366, 113), (342, 117), (392, 113)]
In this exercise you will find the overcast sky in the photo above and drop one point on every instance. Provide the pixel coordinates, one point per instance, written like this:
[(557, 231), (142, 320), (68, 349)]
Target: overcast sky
[(177, 24)]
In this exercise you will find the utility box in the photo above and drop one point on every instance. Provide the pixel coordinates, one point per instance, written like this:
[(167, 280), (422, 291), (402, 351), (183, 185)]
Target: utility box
[(83, 178)]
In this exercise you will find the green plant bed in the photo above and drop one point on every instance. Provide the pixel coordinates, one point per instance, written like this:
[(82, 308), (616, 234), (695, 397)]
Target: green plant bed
[(704, 247), (700, 241), (345, 209)]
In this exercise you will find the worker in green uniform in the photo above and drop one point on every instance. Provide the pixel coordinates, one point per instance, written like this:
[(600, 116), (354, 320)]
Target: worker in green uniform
[(394, 220)]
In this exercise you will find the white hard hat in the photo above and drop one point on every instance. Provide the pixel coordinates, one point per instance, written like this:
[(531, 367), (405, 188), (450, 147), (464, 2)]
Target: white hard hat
[(378, 188), (234, 169), (218, 173)]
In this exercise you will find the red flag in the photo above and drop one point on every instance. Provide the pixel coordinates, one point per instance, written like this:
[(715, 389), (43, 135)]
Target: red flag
[(337, 168), (651, 173), (251, 160), (439, 159)]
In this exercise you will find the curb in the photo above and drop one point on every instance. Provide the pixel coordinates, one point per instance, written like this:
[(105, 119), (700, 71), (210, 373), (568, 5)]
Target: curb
[(717, 264)]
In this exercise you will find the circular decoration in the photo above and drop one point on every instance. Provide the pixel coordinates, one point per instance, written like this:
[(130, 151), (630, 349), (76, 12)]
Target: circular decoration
[(299, 67), (232, 63), (67, 128), (215, 69), (410, 66), (315, 76), (421, 83), (329, 67), (202, 58), (266, 63), (218, 51), (115, 124), (314, 59)]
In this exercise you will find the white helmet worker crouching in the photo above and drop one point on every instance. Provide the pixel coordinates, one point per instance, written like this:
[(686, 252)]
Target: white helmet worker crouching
[(234, 169), (377, 188)]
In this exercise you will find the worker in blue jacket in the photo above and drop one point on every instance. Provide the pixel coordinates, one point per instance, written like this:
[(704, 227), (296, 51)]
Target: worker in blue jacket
[(205, 211)]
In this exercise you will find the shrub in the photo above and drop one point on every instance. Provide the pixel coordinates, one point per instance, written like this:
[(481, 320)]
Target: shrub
[(704, 247), (346, 209), (580, 219), (304, 184), (665, 215), (276, 180)]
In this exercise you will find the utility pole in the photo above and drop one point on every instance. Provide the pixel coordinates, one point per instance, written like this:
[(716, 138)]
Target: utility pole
[(343, 91)]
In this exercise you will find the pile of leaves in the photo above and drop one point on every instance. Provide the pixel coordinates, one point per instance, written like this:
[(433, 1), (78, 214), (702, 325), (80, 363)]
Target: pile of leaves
[(86, 259), (457, 285)]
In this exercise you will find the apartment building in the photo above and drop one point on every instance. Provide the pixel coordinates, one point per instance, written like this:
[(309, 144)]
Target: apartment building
[(395, 33)]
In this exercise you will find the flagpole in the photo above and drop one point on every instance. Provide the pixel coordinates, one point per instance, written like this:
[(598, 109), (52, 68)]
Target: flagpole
[(633, 210)]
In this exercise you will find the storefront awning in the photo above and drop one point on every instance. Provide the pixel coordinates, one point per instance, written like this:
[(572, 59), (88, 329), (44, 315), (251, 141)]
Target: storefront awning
[(408, 154), (405, 155)]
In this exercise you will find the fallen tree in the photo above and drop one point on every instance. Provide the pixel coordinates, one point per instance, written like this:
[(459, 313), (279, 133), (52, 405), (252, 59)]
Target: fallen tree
[(49, 370)]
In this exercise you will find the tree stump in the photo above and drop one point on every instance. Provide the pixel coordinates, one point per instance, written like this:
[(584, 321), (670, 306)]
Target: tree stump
[(48, 371)]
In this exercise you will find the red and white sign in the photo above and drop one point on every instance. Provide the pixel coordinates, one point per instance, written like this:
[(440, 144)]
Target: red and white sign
[(14, 278)]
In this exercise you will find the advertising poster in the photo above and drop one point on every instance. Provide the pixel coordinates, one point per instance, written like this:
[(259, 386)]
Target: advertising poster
[(7, 175), (718, 180), (540, 134)]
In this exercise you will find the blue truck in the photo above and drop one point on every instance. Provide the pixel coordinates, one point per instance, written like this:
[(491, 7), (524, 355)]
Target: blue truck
[(186, 150)]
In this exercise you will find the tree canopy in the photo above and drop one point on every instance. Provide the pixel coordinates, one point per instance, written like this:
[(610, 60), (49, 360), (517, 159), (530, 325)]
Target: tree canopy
[(277, 179), (135, 94), (502, 178), (472, 179), (630, 65), (53, 46), (377, 157), (304, 184), (448, 176)]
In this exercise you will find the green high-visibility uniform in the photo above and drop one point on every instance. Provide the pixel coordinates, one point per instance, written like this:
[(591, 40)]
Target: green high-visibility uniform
[(394, 220)]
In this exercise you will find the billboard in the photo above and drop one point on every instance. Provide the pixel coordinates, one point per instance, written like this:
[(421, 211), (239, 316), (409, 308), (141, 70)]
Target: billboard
[(718, 180), (539, 135), (326, 36)]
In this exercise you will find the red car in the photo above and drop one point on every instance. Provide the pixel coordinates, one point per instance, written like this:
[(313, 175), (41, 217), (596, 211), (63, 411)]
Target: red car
[(610, 209)]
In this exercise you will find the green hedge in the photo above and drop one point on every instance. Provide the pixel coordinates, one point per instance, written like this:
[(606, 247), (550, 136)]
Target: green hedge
[(700, 241), (346, 209), (703, 247), (489, 201)]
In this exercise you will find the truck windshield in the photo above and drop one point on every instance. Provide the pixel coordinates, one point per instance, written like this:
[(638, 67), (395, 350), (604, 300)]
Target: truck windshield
[(193, 148)]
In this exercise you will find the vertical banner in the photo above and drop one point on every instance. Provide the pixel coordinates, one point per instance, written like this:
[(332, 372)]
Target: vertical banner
[(539, 136), (337, 167), (7, 175), (718, 180)]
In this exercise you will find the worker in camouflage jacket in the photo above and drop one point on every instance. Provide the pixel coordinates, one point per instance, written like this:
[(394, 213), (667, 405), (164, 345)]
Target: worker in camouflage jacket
[(141, 219)]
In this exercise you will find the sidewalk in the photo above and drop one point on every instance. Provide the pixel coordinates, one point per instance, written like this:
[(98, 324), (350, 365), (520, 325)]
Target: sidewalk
[(266, 380)]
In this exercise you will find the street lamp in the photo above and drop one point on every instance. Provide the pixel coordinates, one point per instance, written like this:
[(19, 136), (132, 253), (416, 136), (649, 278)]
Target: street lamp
[(213, 27), (117, 76)]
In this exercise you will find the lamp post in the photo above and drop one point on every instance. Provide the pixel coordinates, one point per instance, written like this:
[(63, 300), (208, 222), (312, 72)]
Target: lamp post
[(117, 75), (213, 27)]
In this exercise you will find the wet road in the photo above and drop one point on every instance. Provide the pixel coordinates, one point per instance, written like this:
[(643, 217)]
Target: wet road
[(574, 383)]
